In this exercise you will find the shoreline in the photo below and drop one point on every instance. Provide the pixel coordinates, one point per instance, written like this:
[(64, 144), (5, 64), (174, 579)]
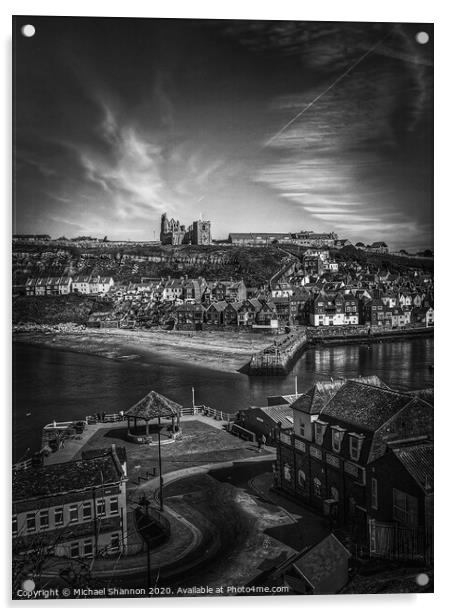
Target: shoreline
[(215, 350), (269, 364), (212, 350)]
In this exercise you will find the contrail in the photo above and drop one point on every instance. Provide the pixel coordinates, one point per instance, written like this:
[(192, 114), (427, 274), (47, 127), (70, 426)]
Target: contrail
[(330, 87)]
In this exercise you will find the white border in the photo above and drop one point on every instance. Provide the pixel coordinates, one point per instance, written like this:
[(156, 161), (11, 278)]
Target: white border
[(332, 10)]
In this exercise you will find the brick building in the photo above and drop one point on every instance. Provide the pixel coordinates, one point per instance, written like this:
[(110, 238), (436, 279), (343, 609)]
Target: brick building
[(77, 506), (346, 436)]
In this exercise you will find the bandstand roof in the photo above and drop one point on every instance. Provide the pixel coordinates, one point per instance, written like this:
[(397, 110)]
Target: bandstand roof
[(152, 406)]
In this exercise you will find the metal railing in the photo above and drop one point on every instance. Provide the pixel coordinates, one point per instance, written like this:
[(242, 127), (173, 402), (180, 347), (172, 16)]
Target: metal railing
[(23, 465), (208, 411)]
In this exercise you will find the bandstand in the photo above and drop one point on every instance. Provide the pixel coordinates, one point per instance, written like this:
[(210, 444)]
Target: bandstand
[(152, 407)]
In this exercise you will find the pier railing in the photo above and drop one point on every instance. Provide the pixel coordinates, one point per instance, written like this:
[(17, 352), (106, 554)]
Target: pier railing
[(208, 411)]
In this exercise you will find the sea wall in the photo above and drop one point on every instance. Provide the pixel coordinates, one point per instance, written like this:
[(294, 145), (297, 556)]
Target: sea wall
[(279, 357)]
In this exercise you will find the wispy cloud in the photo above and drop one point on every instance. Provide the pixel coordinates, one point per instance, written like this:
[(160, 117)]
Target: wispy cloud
[(140, 176)]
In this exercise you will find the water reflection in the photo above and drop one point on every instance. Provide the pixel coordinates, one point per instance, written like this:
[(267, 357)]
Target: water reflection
[(60, 385)]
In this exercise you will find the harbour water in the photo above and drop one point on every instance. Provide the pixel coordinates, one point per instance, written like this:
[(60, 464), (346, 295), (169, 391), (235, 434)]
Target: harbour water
[(53, 384)]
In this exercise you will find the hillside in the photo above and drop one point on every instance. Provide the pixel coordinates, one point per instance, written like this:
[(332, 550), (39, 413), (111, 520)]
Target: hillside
[(255, 265), (50, 310)]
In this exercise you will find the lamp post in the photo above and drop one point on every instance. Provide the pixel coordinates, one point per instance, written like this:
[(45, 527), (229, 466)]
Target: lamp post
[(144, 502), (160, 470), (193, 399)]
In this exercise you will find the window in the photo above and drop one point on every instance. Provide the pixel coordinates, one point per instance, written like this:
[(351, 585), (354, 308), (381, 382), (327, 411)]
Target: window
[(114, 542), (404, 508), (317, 484), (100, 507), (320, 429), (74, 550), (44, 519), (336, 439), (88, 547), (301, 428), (355, 446), (114, 505), (59, 519), (287, 472), (14, 526), (301, 479), (374, 493), (87, 511), (73, 514), (31, 522)]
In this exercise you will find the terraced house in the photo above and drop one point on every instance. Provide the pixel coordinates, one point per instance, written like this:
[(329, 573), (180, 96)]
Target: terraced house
[(77, 508), (352, 456), (334, 309)]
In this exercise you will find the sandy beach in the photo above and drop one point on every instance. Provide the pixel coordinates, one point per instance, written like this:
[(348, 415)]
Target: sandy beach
[(219, 350)]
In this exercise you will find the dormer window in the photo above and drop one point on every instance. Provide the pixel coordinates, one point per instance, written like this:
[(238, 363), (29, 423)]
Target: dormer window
[(355, 443), (320, 429), (337, 436)]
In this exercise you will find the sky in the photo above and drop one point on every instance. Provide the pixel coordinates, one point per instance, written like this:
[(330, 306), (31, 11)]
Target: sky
[(257, 126)]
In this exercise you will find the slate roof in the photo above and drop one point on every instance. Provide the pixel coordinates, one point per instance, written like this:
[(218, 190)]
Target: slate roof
[(313, 400), (218, 306), (424, 394), (152, 406), (279, 412), (364, 406), (282, 399), (413, 422), (322, 560), (234, 305), (66, 477), (418, 461)]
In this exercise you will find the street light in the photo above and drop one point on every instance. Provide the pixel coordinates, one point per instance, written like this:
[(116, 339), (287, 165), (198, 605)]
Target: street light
[(160, 470)]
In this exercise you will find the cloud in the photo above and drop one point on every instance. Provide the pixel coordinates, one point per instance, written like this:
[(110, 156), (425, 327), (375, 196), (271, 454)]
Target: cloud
[(139, 176), (339, 163)]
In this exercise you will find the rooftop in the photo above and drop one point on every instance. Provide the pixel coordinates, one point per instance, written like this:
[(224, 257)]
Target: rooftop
[(66, 477), (279, 412), (321, 561), (364, 406), (418, 461), (152, 406), (313, 400)]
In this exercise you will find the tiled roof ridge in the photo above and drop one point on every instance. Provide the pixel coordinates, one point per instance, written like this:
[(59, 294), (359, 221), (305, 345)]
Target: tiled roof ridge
[(386, 389), (413, 445)]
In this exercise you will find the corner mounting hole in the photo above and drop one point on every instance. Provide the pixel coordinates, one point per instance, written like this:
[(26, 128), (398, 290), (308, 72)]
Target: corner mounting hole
[(422, 38), (28, 30), (422, 579)]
